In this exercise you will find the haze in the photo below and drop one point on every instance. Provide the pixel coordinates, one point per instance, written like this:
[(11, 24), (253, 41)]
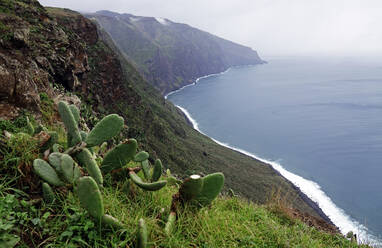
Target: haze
[(272, 27)]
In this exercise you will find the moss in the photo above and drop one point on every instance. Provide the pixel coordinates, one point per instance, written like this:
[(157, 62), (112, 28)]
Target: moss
[(47, 108)]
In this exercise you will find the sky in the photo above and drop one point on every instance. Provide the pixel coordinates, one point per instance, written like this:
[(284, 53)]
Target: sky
[(272, 27)]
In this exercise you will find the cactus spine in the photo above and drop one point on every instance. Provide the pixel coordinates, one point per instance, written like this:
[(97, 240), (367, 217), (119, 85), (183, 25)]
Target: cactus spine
[(90, 197), (106, 129), (142, 234)]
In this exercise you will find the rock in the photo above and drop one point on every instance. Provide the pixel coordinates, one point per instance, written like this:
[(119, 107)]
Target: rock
[(21, 36)]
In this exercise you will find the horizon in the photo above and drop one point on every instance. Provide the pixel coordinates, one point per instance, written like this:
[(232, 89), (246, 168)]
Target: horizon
[(294, 27)]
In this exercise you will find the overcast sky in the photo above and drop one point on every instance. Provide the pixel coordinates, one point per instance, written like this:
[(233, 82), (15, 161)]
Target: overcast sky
[(272, 27)]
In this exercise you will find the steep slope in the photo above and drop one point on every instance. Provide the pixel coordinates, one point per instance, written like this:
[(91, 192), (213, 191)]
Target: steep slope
[(169, 54), (59, 51)]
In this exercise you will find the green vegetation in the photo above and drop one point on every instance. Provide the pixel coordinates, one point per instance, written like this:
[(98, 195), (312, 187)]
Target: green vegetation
[(116, 216)]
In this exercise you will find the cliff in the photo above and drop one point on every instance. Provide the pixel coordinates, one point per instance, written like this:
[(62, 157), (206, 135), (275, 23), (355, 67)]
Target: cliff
[(63, 54), (171, 55)]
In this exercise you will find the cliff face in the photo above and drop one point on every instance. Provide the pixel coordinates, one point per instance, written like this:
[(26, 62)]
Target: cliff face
[(59, 51), (171, 55)]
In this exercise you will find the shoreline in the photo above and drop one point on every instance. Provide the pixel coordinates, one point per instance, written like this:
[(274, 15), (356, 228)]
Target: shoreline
[(309, 191)]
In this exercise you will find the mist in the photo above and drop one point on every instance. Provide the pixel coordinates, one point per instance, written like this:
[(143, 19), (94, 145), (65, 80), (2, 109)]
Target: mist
[(277, 27)]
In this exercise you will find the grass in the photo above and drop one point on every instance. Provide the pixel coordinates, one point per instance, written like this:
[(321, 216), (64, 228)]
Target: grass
[(231, 221)]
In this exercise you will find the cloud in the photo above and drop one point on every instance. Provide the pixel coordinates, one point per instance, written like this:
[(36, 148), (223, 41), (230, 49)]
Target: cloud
[(272, 27)]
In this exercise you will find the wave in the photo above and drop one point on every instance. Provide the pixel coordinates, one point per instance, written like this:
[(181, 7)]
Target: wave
[(197, 80), (310, 188)]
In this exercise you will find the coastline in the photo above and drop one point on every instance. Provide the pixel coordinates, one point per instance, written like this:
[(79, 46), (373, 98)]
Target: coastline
[(309, 191)]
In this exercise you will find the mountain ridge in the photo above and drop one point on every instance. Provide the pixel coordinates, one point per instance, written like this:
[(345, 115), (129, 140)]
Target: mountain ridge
[(171, 55)]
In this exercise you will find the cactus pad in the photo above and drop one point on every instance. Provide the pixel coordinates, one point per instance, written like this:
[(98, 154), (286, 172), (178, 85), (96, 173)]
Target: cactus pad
[(47, 193), (170, 223), (157, 171), (86, 159), (119, 156), (146, 186), (142, 234), (67, 168), (212, 185), (106, 129), (145, 169), (75, 113), (111, 221), (46, 172), (141, 156), (90, 197), (191, 188), (70, 124)]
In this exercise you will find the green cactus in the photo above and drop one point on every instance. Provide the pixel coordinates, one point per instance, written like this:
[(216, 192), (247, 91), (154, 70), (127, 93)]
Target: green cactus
[(212, 185), (76, 173), (55, 160), (90, 197), (142, 234), (75, 113), (30, 128), (111, 221), (57, 148), (191, 188), (146, 186), (170, 223), (141, 156), (48, 193), (102, 148), (146, 169), (119, 156), (85, 158), (70, 123), (157, 172), (46, 172), (106, 129), (67, 168), (84, 135)]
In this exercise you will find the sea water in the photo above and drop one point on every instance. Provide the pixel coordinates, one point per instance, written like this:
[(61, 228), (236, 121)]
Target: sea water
[(318, 121)]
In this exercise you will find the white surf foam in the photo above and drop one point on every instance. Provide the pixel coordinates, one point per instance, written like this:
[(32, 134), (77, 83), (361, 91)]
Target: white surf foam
[(310, 188), (197, 80)]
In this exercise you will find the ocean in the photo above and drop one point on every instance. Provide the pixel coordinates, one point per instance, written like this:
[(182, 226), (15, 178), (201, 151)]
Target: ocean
[(318, 121)]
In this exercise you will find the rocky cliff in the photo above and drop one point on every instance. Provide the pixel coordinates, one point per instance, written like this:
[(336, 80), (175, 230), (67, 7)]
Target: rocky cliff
[(61, 53), (169, 54)]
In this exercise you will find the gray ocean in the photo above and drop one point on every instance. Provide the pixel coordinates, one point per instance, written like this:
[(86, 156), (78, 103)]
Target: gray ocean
[(316, 120)]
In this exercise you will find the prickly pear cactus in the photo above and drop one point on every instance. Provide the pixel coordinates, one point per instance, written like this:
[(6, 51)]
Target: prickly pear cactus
[(119, 156), (106, 129), (157, 172), (111, 221), (170, 223), (212, 185), (90, 197), (48, 193), (70, 124), (142, 234), (191, 188), (146, 186), (141, 156), (85, 158), (46, 172)]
